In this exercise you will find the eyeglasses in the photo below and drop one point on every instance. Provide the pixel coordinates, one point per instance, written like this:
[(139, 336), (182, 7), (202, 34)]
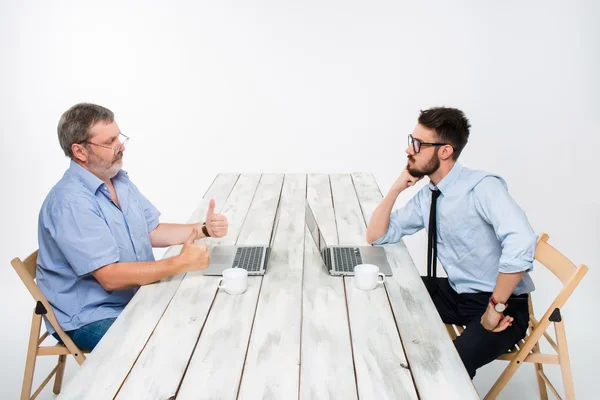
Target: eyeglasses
[(416, 143), (123, 139)]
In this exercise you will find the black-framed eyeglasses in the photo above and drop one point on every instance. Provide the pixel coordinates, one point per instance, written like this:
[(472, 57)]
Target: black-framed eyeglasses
[(123, 139), (416, 143)]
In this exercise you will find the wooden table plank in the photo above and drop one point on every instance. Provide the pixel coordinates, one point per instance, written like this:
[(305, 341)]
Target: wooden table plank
[(272, 365), (348, 216), (107, 366), (436, 367), (381, 366), (327, 368), (215, 369), (161, 366), (368, 193)]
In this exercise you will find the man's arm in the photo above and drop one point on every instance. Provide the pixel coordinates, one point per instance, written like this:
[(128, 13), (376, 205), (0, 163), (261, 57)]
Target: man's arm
[(380, 220), (517, 239), (125, 275), (493, 320), (505, 285), (383, 228), (165, 235), (118, 276)]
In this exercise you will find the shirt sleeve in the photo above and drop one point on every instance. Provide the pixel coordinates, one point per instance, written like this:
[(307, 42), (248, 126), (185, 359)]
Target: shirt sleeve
[(83, 236), (151, 213), (518, 240), (404, 221)]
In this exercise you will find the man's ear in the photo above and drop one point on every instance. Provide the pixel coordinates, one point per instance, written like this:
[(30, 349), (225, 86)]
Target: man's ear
[(79, 152), (446, 152)]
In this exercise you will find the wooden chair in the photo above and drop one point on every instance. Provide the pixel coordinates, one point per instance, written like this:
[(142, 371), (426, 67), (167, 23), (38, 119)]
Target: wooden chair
[(27, 271), (528, 349)]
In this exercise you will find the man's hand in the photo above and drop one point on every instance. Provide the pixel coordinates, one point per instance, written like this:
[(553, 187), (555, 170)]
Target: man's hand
[(194, 256), (404, 181), (494, 321), (216, 224)]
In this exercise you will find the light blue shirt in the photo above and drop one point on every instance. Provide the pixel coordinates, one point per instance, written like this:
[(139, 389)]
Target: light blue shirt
[(481, 231), (80, 230)]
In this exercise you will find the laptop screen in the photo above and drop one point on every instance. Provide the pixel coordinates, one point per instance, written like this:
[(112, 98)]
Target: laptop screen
[(314, 230)]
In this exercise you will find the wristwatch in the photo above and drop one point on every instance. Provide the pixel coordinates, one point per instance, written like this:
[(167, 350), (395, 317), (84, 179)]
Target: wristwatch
[(205, 230), (499, 307)]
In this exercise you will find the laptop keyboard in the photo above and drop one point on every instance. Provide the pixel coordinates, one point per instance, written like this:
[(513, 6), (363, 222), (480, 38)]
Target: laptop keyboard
[(346, 258), (248, 258)]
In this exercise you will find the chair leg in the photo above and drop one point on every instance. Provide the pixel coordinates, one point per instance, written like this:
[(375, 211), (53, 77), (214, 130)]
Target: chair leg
[(34, 336), (539, 370), (62, 362), (508, 373), (541, 384), (563, 359)]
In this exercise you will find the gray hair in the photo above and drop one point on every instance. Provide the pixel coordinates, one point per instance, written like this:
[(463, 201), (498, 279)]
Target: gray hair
[(75, 124)]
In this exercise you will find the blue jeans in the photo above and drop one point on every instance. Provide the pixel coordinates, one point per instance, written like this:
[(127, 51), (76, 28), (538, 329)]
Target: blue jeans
[(88, 336)]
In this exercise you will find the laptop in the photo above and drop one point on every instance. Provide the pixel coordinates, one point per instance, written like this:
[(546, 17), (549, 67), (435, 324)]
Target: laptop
[(341, 260), (253, 259)]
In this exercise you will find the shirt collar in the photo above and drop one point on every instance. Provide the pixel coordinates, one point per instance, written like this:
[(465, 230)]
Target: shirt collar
[(449, 180), (89, 180)]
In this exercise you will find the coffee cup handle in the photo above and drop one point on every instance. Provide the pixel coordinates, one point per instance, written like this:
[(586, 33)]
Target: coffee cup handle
[(381, 278), (221, 284)]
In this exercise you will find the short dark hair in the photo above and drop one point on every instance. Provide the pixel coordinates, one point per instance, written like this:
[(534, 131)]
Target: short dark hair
[(450, 124), (75, 124)]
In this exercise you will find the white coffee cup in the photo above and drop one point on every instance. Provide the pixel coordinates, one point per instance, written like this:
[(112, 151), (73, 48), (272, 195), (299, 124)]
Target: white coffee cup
[(234, 280), (367, 276)]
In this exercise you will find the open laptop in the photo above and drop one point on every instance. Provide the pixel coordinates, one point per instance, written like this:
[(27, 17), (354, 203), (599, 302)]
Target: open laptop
[(341, 260), (254, 259)]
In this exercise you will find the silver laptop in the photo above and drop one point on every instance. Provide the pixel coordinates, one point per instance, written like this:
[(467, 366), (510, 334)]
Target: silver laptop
[(254, 259), (341, 260)]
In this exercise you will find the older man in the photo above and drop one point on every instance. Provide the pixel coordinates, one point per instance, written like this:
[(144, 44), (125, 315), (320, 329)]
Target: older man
[(96, 231)]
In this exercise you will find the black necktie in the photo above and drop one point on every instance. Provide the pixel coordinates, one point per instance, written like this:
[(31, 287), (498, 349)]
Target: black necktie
[(432, 238)]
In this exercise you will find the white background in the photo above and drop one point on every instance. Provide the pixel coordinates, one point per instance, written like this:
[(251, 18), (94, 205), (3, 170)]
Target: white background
[(310, 86)]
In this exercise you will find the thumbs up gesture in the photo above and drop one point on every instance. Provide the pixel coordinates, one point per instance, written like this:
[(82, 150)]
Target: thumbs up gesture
[(195, 256), (216, 224)]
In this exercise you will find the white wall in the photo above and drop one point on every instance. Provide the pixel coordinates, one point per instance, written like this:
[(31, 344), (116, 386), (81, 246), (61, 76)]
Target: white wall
[(311, 86)]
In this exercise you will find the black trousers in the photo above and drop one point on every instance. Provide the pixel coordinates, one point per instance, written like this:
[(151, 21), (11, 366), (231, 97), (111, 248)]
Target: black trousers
[(477, 346)]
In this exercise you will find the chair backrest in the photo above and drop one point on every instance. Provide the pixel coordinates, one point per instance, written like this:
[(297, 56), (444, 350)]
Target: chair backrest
[(27, 272), (562, 267), (555, 261), (31, 264)]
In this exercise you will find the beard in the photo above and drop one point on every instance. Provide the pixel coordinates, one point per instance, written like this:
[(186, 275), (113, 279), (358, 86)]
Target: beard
[(432, 165), (105, 169)]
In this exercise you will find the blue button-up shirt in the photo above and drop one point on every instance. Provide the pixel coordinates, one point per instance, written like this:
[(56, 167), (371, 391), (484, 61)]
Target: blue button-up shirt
[(481, 231), (80, 230)]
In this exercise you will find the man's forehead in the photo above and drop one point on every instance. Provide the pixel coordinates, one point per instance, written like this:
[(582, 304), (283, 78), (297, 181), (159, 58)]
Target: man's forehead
[(105, 129), (423, 133)]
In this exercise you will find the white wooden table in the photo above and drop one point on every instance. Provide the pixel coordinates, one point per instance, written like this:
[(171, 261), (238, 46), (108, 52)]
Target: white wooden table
[(297, 332)]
